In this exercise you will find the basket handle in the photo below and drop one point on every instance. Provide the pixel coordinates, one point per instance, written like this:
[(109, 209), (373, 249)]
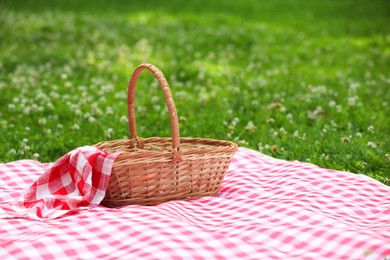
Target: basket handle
[(170, 104)]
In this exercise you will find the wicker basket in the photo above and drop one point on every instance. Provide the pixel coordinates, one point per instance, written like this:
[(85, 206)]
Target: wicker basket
[(154, 170)]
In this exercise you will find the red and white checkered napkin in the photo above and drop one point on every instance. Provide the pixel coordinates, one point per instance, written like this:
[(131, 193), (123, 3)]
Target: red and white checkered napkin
[(77, 180), (267, 209)]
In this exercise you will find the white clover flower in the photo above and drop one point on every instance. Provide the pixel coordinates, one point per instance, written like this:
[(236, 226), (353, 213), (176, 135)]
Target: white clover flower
[(316, 113), (250, 127), (289, 117), (283, 131), (352, 101), (75, 127), (98, 112), (91, 119), (35, 156), (55, 95), (41, 96), (155, 99), (371, 145), (82, 88), (296, 134), (358, 134), (12, 151), (345, 139), (16, 100), (42, 121), (326, 157), (370, 129), (141, 109), (275, 105), (270, 121), (108, 133), (68, 84), (34, 107), (102, 99), (11, 107), (109, 111), (353, 87), (120, 95), (4, 123), (332, 103), (107, 88), (123, 119), (50, 106), (78, 112), (318, 89), (243, 142)]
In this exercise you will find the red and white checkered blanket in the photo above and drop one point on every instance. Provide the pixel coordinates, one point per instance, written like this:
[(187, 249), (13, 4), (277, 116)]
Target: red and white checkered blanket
[(266, 209)]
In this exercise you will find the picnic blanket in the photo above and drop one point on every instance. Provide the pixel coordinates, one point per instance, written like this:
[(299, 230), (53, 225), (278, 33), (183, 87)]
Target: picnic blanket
[(266, 209)]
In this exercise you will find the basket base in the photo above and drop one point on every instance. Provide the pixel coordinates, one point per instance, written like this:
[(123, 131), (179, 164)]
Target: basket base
[(113, 203)]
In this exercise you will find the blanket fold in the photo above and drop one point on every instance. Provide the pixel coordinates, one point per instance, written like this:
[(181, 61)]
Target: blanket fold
[(77, 180)]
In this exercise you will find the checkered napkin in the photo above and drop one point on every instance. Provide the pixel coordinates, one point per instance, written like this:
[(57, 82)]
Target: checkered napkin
[(266, 209), (77, 180)]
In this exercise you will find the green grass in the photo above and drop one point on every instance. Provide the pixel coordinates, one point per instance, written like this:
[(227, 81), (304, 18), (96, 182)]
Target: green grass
[(299, 80)]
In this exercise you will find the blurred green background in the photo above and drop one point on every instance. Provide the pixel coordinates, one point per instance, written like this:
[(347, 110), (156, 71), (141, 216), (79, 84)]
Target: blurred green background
[(298, 80)]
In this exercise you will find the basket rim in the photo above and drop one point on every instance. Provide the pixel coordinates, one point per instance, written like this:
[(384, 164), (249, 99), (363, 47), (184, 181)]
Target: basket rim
[(198, 140), (211, 148)]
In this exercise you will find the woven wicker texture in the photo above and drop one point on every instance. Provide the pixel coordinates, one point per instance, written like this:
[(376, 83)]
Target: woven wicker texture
[(150, 171)]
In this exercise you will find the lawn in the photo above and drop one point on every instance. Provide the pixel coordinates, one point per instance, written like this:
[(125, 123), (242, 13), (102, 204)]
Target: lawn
[(298, 80)]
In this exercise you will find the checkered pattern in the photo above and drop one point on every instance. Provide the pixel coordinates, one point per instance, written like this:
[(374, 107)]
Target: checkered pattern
[(267, 209), (77, 180)]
